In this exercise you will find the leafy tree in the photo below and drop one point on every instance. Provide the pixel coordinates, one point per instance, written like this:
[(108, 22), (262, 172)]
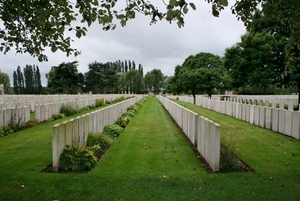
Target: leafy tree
[(279, 18), (277, 22), (37, 80), (101, 78), (141, 70), (256, 61), (4, 79), (15, 83), (284, 16), (154, 81), (33, 26), (28, 79), (64, 78), (20, 81), (121, 87), (173, 85), (125, 66), (134, 81), (129, 65), (202, 73)]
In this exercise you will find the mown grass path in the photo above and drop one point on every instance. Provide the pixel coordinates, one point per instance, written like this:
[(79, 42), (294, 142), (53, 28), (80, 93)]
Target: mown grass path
[(150, 161)]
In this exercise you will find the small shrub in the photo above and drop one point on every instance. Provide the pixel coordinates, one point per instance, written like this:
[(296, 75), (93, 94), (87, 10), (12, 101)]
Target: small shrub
[(5, 131), (113, 129), (140, 103), (60, 115), (107, 102), (123, 121), (68, 110), (85, 108), (228, 158), (57, 116), (133, 107), (131, 113), (120, 98), (103, 140), (77, 159), (54, 116), (99, 102), (94, 147)]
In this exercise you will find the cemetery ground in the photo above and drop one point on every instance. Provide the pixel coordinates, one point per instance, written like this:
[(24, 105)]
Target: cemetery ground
[(152, 161)]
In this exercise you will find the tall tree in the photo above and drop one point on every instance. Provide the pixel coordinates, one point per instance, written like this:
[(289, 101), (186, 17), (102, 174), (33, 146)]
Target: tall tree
[(101, 78), (28, 79), (64, 78), (256, 61), (284, 16), (15, 83), (173, 83), (201, 73), (121, 86), (141, 70), (37, 80), (20, 81), (154, 81), (134, 81), (277, 20), (4, 79), (129, 65), (125, 66)]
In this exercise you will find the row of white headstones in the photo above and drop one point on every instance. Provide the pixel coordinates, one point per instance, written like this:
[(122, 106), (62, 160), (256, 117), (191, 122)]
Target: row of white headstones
[(15, 109)]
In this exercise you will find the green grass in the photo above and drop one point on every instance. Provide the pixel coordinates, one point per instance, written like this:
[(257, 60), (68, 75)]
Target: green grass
[(269, 153), (151, 161)]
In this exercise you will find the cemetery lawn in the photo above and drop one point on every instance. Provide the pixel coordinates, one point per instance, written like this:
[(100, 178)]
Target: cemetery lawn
[(152, 161)]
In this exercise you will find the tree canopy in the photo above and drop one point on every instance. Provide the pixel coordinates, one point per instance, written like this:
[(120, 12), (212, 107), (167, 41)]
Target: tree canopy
[(256, 61), (30, 26), (200, 73), (268, 55), (65, 78), (278, 17), (154, 81)]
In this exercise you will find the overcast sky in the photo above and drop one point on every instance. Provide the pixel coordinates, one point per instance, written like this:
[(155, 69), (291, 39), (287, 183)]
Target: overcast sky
[(161, 46)]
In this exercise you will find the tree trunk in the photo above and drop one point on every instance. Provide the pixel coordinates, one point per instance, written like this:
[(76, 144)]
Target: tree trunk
[(194, 95)]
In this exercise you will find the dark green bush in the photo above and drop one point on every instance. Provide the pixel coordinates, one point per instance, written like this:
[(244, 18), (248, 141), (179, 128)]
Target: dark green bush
[(57, 116), (77, 158), (5, 131), (140, 103), (133, 107), (113, 129), (228, 158), (68, 110), (130, 113), (101, 139), (124, 120), (60, 115)]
